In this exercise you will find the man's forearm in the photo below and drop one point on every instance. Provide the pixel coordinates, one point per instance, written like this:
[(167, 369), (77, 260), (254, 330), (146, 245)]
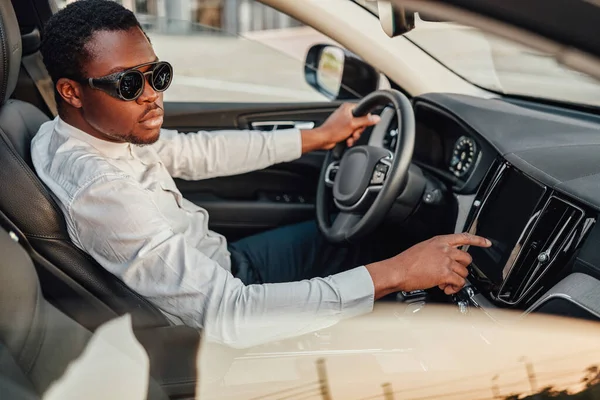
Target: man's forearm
[(250, 315), (341, 126), (384, 282), (204, 155)]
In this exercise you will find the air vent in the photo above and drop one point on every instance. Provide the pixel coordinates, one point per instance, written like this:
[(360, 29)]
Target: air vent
[(551, 241)]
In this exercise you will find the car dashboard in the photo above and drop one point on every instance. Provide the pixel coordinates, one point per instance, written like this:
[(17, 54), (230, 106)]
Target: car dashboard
[(529, 180), (444, 147)]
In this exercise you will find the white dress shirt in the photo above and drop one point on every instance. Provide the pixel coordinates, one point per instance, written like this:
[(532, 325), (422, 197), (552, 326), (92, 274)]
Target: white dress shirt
[(122, 207)]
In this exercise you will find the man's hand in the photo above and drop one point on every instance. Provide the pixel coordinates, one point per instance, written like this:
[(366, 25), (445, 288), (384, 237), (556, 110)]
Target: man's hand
[(434, 262), (340, 126)]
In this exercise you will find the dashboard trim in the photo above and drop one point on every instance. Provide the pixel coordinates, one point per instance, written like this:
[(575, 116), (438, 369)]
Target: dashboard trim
[(580, 289), (465, 203)]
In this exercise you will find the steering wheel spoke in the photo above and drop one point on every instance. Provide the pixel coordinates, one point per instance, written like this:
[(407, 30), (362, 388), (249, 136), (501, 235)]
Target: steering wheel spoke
[(330, 173), (344, 222)]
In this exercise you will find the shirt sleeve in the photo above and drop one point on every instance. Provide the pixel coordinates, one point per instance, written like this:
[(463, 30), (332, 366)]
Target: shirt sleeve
[(203, 155), (117, 223)]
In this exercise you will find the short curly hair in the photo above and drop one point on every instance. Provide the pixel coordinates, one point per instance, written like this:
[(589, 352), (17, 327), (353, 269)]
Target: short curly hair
[(68, 31)]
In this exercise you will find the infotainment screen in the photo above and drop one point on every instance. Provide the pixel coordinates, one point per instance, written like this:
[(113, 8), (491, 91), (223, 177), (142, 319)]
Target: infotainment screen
[(502, 219)]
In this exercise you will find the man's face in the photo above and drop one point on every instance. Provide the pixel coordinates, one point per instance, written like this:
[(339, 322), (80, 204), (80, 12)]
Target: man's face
[(138, 121)]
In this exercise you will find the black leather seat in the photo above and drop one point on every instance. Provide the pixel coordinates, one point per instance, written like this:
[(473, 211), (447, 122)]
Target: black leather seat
[(13, 383), (41, 340), (70, 279)]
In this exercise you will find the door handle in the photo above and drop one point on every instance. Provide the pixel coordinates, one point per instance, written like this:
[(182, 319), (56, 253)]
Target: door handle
[(275, 125)]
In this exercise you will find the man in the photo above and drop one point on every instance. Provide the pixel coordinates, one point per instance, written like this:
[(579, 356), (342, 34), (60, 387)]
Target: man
[(111, 166)]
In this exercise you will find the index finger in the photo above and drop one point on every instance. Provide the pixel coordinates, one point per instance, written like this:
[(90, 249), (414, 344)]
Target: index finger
[(461, 239)]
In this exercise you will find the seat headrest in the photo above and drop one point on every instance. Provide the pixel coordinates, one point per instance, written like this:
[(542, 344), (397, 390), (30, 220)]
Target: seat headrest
[(30, 42), (10, 50)]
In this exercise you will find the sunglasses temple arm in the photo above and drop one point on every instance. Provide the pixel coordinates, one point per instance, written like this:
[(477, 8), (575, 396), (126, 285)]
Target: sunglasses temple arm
[(110, 88)]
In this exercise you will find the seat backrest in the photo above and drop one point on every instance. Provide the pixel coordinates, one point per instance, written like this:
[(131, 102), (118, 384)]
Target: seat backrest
[(41, 340), (69, 278), (13, 383)]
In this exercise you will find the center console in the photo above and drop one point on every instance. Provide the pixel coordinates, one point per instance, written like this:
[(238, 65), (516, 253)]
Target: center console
[(539, 237), (534, 231)]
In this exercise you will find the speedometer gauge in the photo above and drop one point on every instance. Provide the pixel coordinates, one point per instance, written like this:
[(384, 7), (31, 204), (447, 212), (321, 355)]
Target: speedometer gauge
[(463, 156)]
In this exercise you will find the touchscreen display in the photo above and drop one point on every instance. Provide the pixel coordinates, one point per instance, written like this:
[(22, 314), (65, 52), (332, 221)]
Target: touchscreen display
[(502, 220)]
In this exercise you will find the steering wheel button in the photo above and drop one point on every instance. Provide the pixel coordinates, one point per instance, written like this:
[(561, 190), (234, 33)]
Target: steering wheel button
[(381, 168), (378, 178), (332, 174)]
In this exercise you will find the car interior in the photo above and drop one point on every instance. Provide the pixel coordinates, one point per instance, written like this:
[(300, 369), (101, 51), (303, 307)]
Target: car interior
[(39, 341), (524, 174)]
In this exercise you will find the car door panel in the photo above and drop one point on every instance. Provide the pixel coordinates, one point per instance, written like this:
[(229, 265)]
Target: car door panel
[(190, 117), (245, 204)]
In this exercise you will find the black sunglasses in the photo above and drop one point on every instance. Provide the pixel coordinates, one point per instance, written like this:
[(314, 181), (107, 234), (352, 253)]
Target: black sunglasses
[(128, 85)]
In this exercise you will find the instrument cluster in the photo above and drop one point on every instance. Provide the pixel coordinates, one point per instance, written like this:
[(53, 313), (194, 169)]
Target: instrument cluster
[(463, 156)]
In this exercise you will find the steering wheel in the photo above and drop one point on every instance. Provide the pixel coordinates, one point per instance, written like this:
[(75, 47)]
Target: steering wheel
[(367, 179)]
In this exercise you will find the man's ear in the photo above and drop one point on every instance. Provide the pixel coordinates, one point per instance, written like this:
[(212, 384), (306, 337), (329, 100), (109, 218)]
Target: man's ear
[(70, 91)]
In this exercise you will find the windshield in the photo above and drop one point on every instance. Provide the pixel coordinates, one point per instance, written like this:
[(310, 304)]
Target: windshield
[(503, 66), (500, 65)]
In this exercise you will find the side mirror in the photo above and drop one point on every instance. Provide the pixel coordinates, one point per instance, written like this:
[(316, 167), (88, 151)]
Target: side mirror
[(339, 74), (394, 20)]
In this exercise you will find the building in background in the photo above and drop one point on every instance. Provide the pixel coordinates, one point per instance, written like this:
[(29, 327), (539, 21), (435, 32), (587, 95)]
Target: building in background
[(233, 17)]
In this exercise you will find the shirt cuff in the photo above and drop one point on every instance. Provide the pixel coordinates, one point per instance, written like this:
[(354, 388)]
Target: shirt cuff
[(288, 145), (356, 290)]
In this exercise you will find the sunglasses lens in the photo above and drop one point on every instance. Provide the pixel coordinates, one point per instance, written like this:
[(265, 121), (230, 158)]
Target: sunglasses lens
[(161, 77), (132, 84)]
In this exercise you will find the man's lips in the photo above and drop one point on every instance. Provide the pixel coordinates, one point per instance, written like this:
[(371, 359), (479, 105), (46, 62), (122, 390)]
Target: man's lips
[(156, 113)]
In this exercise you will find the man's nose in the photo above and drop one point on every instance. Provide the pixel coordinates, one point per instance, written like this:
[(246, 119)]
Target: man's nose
[(149, 95)]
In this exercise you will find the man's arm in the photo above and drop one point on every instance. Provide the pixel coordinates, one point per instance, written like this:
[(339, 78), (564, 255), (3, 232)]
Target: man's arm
[(340, 126), (117, 223), (203, 155)]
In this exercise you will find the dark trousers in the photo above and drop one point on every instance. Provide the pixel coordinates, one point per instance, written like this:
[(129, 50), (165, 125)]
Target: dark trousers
[(299, 252)]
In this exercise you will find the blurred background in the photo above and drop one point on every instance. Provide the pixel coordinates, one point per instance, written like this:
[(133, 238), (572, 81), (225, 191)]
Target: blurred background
[(272, 45), (185, 16), (239, 51)]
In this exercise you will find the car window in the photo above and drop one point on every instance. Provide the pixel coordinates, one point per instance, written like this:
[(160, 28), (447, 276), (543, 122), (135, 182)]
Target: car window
[(229, 51)]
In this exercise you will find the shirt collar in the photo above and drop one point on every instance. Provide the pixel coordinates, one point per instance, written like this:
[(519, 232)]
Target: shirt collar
[(109, 149)]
